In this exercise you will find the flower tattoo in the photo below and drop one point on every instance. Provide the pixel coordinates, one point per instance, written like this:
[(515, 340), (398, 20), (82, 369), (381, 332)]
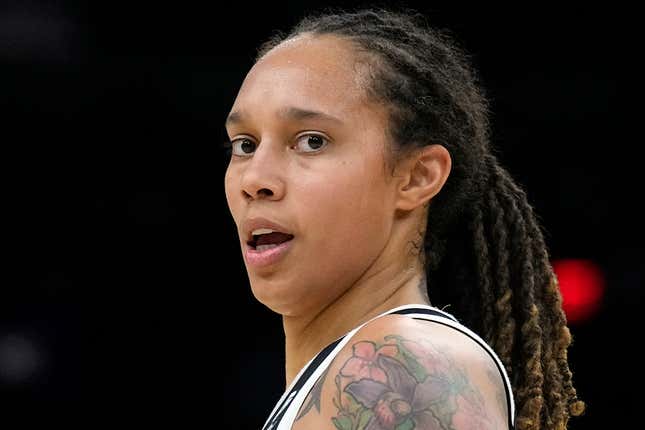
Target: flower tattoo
[(363, 363), (405, 385)]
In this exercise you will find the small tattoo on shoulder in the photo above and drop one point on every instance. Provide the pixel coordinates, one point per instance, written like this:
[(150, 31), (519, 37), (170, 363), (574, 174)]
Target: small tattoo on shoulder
[(313, 398)]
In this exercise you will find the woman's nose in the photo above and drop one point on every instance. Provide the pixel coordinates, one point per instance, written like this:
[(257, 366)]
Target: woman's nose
[(262, 178)]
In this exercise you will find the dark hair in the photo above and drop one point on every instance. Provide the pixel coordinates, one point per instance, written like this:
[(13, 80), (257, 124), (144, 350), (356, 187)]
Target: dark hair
[(484, 250)]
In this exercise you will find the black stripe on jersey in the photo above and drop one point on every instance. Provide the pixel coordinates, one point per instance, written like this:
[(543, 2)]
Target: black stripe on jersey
[(424, 311), (286, 401)]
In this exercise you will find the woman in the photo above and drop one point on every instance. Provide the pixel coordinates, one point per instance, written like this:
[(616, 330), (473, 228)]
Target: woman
[(365, 195)]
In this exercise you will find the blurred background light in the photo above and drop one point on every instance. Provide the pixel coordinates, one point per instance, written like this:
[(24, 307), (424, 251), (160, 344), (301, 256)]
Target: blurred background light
[(20, 359), (582, 284)]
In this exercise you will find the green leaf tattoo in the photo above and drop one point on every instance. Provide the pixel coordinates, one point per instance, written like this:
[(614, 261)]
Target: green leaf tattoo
[(408, 424), (342, 423)]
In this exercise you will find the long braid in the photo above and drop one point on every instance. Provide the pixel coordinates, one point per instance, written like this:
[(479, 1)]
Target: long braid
[(551, 318), (562, 386), (559, 375), (530, 381), (484, 273), (481, 231), (505, 339)]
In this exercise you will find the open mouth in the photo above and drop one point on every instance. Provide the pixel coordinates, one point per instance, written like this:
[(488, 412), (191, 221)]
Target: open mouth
[(266, 241)]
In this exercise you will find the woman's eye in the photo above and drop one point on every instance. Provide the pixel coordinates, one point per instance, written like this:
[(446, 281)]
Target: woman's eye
[(243, 147), (311, 142)]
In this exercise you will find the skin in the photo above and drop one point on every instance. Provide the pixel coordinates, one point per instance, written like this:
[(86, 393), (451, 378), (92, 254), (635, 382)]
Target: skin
[(354, 223)]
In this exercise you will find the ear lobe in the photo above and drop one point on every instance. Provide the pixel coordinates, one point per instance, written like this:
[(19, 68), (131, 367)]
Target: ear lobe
[(422, 176)]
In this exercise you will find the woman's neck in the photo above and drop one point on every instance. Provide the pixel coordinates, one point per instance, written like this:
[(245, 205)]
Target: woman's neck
[(306, 335)]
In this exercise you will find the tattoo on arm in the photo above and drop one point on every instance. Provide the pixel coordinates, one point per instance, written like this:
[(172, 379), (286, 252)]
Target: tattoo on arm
[(500, 393), (401, 384)]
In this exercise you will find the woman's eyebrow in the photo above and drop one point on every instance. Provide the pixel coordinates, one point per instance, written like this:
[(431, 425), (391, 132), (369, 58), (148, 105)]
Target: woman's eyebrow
[(291, 112)]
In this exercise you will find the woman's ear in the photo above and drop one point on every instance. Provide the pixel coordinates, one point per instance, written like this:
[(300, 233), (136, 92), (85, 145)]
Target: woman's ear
[(421, 176)]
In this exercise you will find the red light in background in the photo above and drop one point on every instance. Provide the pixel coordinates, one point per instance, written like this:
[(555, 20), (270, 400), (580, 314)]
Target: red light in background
[(582, 285)]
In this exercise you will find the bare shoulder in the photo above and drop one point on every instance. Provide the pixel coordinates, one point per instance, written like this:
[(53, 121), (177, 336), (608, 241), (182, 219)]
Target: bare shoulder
[(397, 373)]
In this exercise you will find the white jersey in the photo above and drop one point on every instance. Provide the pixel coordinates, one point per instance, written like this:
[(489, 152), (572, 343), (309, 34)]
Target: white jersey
[(285, 411)]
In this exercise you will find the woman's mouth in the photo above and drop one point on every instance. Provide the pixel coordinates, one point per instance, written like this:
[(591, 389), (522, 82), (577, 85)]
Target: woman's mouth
[(267, 249)]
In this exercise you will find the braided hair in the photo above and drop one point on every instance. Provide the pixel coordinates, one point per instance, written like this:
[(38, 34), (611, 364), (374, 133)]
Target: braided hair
[(483, 248)]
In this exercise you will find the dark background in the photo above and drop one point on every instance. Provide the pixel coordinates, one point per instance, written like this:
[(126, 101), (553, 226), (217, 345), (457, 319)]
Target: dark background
[(125, 299)]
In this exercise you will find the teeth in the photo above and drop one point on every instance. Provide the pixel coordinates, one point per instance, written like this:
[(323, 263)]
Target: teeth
[(264, 247), (261, 231)]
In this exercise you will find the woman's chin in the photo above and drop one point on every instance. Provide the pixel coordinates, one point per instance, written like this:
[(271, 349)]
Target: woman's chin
[(280, 299)]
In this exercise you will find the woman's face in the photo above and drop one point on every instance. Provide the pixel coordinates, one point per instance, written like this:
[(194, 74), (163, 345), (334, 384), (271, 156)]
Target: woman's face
[(321, 177)]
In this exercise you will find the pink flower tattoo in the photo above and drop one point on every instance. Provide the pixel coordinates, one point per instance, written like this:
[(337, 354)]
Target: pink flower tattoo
[(364, 361)]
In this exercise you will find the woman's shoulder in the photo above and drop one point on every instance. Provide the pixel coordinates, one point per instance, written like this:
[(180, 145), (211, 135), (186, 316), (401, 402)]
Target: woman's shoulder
[(401, 372)]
